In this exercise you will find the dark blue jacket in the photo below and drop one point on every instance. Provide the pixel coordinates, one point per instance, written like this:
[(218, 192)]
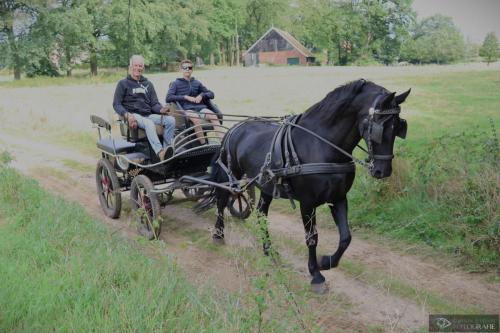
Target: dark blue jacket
[(136, 97), (181, 87)]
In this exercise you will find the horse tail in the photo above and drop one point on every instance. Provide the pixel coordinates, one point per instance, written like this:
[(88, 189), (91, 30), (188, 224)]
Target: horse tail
[(217, 175)]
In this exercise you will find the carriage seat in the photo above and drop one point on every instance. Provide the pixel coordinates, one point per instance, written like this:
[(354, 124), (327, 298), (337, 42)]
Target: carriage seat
[(182, 122), (137, 134), (115, 145)]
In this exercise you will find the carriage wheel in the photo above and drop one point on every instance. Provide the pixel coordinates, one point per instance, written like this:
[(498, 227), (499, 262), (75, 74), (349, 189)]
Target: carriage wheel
[(108, 188), (240, 206), (146, 207)]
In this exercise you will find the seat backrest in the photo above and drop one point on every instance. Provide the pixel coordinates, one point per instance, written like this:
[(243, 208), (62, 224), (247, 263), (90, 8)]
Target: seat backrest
[(208, 102), (181, 121), (96, 120), (214, 108)]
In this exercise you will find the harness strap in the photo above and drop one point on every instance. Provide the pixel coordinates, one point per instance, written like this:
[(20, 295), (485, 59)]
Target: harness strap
[(315, 168), (295, 157), (332, 145), (383, 157)]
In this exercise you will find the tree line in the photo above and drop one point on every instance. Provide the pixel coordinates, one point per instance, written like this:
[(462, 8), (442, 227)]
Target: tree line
[(50, 37)]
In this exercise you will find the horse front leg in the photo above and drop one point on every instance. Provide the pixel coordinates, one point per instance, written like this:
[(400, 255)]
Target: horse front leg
[(339, 213), (222, 200), (309, 220), (262, 211)]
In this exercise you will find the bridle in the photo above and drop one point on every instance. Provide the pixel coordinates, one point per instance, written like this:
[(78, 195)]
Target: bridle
[(375, 130)]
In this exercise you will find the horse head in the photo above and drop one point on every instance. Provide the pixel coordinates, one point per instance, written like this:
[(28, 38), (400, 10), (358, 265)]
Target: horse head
[(379, 125)]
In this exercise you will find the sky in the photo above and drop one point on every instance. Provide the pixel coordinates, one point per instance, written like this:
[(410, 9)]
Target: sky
[(474, 18)]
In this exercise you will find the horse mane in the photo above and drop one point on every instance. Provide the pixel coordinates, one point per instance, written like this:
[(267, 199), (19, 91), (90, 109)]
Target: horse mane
[(336, 101)]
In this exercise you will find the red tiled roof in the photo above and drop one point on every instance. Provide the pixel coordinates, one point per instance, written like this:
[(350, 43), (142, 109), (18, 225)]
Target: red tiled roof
[(295, 43)]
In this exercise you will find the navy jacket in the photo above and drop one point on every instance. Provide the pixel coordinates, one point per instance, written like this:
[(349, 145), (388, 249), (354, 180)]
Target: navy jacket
[(136, 97), (181, 87)]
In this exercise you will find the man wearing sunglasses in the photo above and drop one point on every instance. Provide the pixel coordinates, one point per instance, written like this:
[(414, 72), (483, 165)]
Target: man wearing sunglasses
[(190, 94), (135, 100)]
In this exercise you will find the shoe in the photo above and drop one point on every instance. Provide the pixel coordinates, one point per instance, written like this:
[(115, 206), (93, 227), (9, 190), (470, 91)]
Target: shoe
[(166, 153)]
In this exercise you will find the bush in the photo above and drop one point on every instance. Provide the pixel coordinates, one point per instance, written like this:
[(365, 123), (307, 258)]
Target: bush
[(42, 67), (445, 194)]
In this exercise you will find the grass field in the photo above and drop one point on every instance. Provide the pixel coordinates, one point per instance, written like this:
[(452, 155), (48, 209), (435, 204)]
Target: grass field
[(64, 271), (444, 189)]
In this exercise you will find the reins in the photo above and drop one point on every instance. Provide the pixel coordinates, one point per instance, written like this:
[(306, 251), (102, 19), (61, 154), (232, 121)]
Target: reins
[(285, 121)]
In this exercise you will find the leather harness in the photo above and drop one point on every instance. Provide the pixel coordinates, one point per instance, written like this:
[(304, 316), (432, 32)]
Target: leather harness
[(282, 162)]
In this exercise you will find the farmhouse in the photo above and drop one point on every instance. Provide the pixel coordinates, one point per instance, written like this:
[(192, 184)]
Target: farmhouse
[(277, 47)]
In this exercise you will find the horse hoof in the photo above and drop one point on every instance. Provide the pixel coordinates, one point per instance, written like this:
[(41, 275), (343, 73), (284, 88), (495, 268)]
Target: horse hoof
[(218, 241), (148, 234), (319, 288)]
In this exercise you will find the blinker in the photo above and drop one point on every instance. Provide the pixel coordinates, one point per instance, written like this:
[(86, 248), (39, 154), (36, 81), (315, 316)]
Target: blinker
[(402, 129), (377, 133)]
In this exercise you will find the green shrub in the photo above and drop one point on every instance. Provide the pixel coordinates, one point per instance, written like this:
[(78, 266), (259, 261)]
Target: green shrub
[(445, 194)]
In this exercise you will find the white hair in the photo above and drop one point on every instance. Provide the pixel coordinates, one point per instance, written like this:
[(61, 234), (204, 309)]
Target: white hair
[(136, 58)]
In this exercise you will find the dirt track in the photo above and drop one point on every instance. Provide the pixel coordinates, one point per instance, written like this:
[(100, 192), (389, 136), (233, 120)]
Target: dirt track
[(370, 302)]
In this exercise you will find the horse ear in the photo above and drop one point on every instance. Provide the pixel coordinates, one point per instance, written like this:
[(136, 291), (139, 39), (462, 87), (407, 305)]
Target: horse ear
[(401, 98), (386, 102)]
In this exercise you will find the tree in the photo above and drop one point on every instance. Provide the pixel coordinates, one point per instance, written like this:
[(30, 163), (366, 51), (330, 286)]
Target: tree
[(16, 19), (70, 26), (260, 16), (226, 18), (471, 50), (490, 49), (317, 23), (435, 40)]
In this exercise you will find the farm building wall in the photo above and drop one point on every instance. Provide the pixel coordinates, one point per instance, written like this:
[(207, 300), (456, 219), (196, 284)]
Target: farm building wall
[(279, 48), (282, 57)]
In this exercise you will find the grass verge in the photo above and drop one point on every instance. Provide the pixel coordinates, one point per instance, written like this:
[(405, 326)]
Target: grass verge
[(63, 271), (79, 77)]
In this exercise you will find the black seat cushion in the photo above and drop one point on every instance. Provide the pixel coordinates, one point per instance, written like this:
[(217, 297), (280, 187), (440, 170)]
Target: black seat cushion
[(115, 145)]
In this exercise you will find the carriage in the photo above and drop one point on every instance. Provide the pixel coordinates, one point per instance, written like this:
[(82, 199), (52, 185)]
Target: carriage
[(128, 163), (306, 157)]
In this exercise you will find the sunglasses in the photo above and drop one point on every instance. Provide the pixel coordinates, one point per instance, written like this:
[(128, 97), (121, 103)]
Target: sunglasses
[(187, 67)]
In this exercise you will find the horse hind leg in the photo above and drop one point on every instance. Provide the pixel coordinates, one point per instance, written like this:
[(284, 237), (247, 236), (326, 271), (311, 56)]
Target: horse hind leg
[(318, 283), (339, 213), (263, 210), (222, 200)]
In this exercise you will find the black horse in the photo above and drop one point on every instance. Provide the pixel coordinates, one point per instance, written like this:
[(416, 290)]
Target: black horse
[(308, 159)]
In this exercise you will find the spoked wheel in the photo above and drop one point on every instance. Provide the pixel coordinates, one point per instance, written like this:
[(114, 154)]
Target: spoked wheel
[(146, 206), (108, 188), (240, 206)]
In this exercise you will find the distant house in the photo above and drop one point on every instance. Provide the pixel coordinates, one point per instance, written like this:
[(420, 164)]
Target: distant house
[(277, 47)]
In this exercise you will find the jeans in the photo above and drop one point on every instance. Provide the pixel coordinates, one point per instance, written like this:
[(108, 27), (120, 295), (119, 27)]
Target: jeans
[(147, 123)]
